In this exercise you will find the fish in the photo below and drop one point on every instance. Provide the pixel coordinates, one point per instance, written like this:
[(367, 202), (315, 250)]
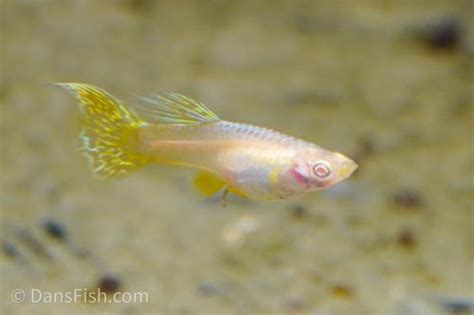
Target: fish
[(250, 161)]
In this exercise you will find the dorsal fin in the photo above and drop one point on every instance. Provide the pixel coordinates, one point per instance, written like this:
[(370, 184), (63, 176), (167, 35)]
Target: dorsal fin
[(175, 109)]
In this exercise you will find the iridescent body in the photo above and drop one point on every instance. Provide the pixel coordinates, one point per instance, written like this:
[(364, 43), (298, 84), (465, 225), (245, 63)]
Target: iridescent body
[(256, 162)]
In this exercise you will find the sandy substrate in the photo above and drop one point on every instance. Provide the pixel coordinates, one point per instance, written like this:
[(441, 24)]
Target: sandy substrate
[(352, 76)]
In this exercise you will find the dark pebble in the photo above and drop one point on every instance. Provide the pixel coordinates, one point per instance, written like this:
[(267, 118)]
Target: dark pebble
[(108, 284), (444, 34), (406, 238), (55, 229), (407, 198), (299, 211), (9, 249), (458, 305), (33, 244)]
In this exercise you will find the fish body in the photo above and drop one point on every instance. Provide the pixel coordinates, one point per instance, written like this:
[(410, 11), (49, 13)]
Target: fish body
[(252, 161)]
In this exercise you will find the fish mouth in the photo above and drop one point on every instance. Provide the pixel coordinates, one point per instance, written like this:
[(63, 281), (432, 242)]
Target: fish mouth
[(347, 168)]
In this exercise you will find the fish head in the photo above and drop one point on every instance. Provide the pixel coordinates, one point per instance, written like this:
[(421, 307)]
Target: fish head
[(318, 169)]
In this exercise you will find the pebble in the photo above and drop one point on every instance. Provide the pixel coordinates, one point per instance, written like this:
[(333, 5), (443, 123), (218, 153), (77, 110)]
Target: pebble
[(299, 212), (54, 229), (9, 249), (456, 305), (33, 243), (108, 284), (294, 305), (406, 238), (239, 230), (407, 198), (342, 291), (209, 288), (444, 34)]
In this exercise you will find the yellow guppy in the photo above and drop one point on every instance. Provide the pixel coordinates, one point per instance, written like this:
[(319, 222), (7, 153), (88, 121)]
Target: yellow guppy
[(251, 161)]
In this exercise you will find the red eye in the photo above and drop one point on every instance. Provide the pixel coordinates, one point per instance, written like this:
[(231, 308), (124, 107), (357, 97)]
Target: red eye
[(321, 170)]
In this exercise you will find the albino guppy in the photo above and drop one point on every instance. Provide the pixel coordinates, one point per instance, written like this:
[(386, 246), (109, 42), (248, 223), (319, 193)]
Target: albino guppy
[(255, 162)]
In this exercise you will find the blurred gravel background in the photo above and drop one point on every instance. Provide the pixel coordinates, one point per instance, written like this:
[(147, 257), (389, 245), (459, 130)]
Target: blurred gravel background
[(386, 82)]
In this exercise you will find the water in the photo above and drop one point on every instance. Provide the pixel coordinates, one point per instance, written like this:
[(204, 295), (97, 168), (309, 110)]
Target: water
[(359, 78)]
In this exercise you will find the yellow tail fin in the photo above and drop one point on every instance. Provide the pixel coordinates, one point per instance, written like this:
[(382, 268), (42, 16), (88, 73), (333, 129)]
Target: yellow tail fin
[(108, 131)]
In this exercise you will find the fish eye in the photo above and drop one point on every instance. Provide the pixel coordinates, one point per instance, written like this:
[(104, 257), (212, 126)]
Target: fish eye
[(321, 170)]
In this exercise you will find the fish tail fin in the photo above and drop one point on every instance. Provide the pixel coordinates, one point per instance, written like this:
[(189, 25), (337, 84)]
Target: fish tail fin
[(109, 131)]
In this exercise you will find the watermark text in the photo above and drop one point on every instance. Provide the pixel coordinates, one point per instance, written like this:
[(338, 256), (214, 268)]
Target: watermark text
[(79, 295)]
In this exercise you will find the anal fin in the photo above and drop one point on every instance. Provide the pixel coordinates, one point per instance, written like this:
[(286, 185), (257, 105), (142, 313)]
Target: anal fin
[(207, 183)]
